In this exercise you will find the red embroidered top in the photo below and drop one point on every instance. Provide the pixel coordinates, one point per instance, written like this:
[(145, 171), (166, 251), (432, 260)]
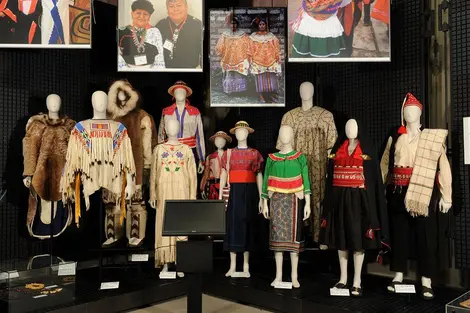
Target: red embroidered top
[(348, 171), (244, 165)]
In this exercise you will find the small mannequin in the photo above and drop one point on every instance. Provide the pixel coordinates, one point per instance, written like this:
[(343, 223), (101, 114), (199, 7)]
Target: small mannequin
[(53, 103), (306, 94), (351, 132), (286, 135), (180, 99), (220, 144), (99, 101), (412, 116), (242, 138), (171, 128)]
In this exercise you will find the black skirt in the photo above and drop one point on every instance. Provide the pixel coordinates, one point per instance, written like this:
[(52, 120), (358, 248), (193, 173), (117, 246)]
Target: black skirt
[(347, 226), (242, 217)]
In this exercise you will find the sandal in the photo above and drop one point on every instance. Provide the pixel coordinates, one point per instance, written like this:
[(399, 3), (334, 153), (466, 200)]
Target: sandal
[(427, 290), (392, 286), (340, 286), (356, 291)]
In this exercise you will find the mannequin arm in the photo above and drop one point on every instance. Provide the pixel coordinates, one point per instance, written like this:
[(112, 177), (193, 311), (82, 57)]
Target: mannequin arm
[(223, 182), (445, 183), (130, 186), (201, 145), (146, 126), (259, 184), (307, 209), (384, 163), (191, 165), (153, 179)]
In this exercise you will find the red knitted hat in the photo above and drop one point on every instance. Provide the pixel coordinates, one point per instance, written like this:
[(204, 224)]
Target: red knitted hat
[(409, 100)]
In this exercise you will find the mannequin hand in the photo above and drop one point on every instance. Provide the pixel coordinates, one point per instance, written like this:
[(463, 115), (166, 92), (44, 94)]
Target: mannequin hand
[(153, 203), (200, 168), (260, 206), (323, 247), (203, 194), (444, 207), (265, 209), (307, 212), (27, 182), (129, 192)]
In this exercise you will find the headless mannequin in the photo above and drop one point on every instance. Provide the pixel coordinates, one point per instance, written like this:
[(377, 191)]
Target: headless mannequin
[(242, 138), (99, 101), (286, 134), (351, 132), (53, 103), (171, 128), (180, 100), (412, 116)]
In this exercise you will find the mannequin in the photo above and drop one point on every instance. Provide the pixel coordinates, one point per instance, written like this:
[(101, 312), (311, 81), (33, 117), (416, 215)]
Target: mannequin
[(402, 166), (314, 135), (173, 176), (191, 130), (123, 107), (241, 167), (354, 216), (210, 183), (99, 156), (287, 166), (44, 151)]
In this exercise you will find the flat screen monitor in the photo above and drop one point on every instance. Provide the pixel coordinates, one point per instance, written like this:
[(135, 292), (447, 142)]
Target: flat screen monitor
[(194, 217)]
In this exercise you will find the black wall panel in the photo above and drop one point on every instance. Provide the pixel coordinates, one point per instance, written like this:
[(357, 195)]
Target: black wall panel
[(460, 72)]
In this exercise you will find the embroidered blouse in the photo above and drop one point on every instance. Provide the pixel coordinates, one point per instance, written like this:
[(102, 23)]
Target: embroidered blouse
[(213, 168), (265, 53), (286, 173), (233, 50), (244, 165)]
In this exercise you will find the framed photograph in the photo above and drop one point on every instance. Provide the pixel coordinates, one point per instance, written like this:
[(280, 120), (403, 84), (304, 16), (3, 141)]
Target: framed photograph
[(339, 30), (160, 35), (247, 57), (45, 24)]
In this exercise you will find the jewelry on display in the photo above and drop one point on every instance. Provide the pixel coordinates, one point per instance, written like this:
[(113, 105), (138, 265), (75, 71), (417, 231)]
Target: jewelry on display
[(69, 279), (51, 292), (139, 45), (175, 34), (35, 286)]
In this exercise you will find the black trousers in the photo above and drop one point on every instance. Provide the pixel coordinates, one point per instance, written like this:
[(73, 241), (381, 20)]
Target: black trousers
[(411, 237)]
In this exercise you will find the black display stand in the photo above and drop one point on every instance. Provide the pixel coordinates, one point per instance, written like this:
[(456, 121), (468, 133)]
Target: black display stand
[(196, 219)]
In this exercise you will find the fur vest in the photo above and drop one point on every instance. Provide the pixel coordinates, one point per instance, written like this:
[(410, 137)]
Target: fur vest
[(140, 125), (44, 152)]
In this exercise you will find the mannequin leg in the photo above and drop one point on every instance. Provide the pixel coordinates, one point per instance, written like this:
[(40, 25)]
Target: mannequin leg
[(426, 282), (343, 264), (246, 263), (112, 225), (233, 264), (165, 268), (136, 224), (358, 261), (294, 260), (278, 257), (397, 279)]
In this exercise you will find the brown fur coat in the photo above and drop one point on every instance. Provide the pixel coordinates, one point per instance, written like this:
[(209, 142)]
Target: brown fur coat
[(44, 151), (140, 125)]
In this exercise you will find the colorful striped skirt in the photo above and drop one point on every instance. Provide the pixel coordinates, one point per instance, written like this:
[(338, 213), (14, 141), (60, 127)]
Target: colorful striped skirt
[(266, 82)]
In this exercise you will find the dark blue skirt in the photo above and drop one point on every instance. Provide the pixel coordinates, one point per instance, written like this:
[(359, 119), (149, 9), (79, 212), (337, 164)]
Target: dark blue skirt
[(242, 217)]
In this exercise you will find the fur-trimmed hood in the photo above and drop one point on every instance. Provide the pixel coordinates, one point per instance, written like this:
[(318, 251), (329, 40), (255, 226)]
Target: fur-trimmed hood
[(118, 108)]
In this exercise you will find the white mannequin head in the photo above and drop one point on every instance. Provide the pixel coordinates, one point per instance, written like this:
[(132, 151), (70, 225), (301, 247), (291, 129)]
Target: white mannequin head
[(220, 142), (351, 129), (53, 103), (412, 114), (99, 100), (122, 95), (306, 91), (241, 134), (172, 128), (286, 134), (180, 94)]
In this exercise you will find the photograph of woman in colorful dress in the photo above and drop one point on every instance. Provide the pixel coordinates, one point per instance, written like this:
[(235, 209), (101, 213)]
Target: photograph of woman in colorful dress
[(247, 57), (339, 30)]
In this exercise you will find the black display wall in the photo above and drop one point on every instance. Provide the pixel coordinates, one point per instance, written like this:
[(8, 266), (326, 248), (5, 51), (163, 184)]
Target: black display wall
[(460, 72)]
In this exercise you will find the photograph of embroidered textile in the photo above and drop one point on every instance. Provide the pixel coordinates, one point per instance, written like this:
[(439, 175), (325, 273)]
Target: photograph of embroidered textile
[(160, 35), (45, 24), (339, 30), (247, 57)]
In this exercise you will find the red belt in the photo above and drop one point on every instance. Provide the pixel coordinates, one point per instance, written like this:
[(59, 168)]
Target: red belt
[(349, 177), (190, 141), (401, 176), (242, 177)]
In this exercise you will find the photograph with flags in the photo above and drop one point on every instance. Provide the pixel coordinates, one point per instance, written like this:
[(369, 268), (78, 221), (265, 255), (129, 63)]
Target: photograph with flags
[(45, 23)]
